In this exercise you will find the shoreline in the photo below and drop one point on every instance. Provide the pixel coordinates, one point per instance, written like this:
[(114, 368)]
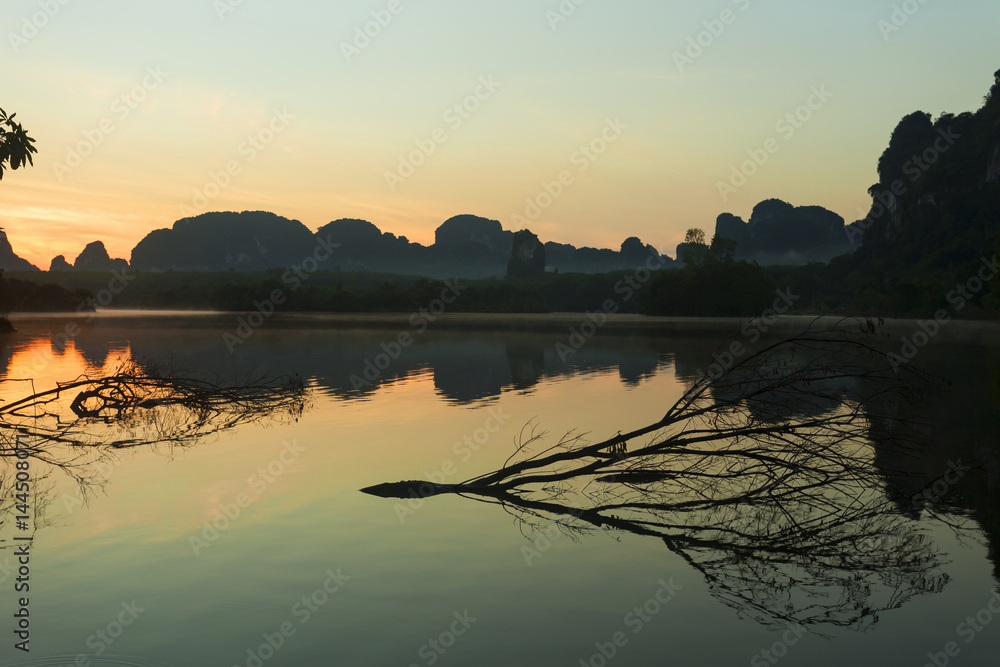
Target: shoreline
[(627, 324)]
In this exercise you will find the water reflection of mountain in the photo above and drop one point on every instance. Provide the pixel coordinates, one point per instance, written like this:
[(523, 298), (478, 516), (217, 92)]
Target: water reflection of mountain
[(352, 363), (964, 431), (960, 426), (468, 366), (6, 352)]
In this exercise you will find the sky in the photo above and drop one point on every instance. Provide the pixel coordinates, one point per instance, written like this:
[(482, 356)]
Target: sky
[(585, 121)]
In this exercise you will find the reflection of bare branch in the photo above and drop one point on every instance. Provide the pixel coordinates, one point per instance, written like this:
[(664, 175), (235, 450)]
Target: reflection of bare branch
[(78, 426), (762, 478), (146, 406)]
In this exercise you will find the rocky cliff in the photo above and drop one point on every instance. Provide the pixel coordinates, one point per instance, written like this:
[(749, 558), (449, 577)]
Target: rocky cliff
[(59, 263), (936, 206), (779, 233), (527, 257), (95, 258), (9, 261)]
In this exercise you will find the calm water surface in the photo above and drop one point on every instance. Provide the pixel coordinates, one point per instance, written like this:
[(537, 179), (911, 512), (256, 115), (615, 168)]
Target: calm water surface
[(161, 565)]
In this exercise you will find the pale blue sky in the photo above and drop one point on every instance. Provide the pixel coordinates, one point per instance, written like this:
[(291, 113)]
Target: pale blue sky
[(353, 120)]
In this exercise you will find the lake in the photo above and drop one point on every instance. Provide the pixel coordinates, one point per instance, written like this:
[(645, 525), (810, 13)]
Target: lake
[(254, 546)]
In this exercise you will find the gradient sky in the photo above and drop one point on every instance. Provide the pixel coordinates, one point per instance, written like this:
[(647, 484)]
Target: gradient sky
[(226, 73)]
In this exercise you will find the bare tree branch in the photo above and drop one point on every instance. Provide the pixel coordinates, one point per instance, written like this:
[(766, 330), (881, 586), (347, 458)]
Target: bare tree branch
[(763, 478)]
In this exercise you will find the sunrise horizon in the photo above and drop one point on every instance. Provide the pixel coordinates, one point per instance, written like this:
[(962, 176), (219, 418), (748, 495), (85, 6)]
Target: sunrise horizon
[(395, 332), (627, 111)]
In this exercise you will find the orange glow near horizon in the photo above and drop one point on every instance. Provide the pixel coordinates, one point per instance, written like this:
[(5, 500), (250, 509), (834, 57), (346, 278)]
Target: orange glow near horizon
[(133, 139), (121, 223), (39, 360)]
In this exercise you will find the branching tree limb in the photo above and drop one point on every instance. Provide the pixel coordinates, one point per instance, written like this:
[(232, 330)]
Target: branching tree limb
[(763, 478)]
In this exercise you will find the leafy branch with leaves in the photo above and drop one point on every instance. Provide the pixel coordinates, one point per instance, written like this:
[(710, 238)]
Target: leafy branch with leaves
[(16, 147)]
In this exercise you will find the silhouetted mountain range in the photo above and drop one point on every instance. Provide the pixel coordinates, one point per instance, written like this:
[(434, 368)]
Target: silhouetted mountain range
[(465, 246), (93, 258), (779, 233), (934, 215)]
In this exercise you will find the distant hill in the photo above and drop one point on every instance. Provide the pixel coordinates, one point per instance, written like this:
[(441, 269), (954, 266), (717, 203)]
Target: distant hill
[(935, 215), (9, 261), (94, 258), (465, 246), (59, 263), (251, 240), (362, 245), (779, 233), (470, 246), (632, 254)]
